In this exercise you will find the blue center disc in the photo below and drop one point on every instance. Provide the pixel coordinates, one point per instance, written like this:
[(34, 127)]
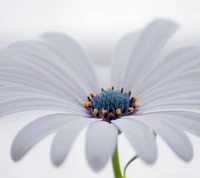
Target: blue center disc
[(110, 104), (111, 100)]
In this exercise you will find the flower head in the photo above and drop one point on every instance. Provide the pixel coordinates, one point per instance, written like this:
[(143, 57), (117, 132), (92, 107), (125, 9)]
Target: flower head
[(111, 104), (160, 94)]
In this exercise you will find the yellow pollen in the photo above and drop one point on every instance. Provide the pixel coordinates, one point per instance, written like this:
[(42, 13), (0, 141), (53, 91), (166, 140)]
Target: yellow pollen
[(91, 94), (135, 98), (127, 92), (131, 109), (95, 111), (135, 105), (87, 104), (111, 114), (108, 88), (104, 111), (118, 111)]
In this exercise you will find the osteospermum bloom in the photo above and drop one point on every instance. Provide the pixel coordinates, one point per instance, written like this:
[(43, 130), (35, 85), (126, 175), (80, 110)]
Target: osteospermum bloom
[(148, 93)]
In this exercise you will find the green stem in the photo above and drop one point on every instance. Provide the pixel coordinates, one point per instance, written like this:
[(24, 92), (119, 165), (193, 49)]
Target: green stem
[(116, 164), (130, 161)]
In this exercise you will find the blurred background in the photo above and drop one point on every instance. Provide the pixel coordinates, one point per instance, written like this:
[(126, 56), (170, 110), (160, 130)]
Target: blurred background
[(97, 26)]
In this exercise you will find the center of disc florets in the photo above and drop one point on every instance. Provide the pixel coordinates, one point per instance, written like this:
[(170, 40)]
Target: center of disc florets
[(111, 104)]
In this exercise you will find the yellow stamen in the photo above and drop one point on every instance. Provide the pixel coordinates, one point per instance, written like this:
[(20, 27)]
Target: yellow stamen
[(135, 98), (111, 114), (104, 111), (131, 109), (91, 94), (108, 88), (135, 105), (118, 111), (87, 104), (127, 92), (95, 111)]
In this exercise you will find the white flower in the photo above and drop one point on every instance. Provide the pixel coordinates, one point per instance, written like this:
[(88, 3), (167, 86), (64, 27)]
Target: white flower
[(56, 74)]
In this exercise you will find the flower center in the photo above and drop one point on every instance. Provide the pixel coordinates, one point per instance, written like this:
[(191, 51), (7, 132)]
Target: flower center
[(111, 104)]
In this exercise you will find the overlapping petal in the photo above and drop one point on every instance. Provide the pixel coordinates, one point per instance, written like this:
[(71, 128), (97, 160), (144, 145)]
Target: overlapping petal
[(55, 73), (31, 134), (41, 66), (65, 138), (148, 46), (121, 57), (172, 134), (165, 84), (101, 141), (141, 138)]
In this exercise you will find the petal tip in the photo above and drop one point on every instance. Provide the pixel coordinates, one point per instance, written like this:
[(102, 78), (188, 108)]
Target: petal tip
[(15, 155), (150, 159), (96, 164), (188, 157), (57, 161)]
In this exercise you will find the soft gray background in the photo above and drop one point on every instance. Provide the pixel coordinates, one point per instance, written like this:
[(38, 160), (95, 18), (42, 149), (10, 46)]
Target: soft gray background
[(97, 25)]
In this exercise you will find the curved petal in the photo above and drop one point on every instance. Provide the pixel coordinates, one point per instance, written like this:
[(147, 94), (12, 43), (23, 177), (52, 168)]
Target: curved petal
[(31, 134), (103, 73), (121, 57), (174, 136), (38, 57), (22, 64), (9, 89), (169, 69), (101, 141), (171, 92), (18, 104), (58, 62), (148, 46), (177, 86), (184, 104), (17, 90), (65, 138), (13, 77), (140, 137), (73, 56), (187, 120)]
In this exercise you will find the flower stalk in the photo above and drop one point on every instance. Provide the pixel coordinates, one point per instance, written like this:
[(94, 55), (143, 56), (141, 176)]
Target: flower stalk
[(116, 164)]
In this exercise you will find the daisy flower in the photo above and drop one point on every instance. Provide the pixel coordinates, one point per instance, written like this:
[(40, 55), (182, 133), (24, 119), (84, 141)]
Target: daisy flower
[(149, 93)]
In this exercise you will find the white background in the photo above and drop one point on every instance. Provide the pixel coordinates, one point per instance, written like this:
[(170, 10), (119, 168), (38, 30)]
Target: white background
[(97, 25)]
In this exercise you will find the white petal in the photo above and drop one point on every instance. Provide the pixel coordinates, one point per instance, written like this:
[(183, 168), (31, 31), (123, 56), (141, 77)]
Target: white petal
[(187, 120), (190, 78), (169, 69), (16, 90), (174, 137), (149, 45), (75, 57), (121, 57), (103, 73), (21, 77), (18, 104), (101, 141), (140, 137), (182, 89), (31, 134), (14, 69), (65, 138), (40, 58), (180, 104)]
